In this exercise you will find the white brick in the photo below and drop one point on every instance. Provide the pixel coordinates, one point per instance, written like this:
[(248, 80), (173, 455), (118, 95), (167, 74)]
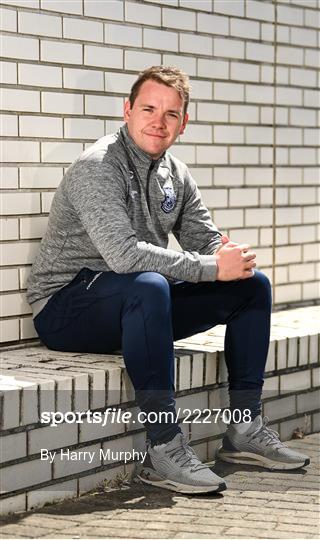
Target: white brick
[(229, 8), (9, 177), (22, 475), (311, 98), (14, 303), (113, 9), (266, 155), (228, 91), (244, 113), (303, 156), (186, 63), (218, 69), (103, 56), (212, 112), (9, 278), (20, 100), (266, 196), (311, 18), (212, 24), (52, 437), (214, 155), (290, 15), (55, 152), (312, 58), (144, 14), (310, 214), (84, 30), (249, 236), (40, 177), (19, 47), (244, 197), (288, 216), (61, 52), (259, 135), (301, 272), (27, 151), (303, 77), (311, 137), (83, 128), (282, 238), (244, 72), (9, 330), (138, 61), (311, 291), (40, 126), (288, 136), (8, 72), (258, 217), (228, 176), (228, 48), (185, 153), (43, 25), (259, 93), (62, 103), (310, 252), (259, 10), (8, 125), (197, 133), (229, 218), (215, 198), (288, 175), (22, 3), (201, 89), (303, 117), (119, 82), (123, 35), (302, 195), (9, 229), (46, 200), (202, 175), (292, 382), (311, 175), (244, 154), (203, 5), (288, 254), (63, 6), (288, 96), (8, 20), (304, 37), (34, 227), (60, 491), (83, 79), (289, 55), (38, 75), (260, 52), (190, 43), (228, 134), (112, 126), (104, 106)]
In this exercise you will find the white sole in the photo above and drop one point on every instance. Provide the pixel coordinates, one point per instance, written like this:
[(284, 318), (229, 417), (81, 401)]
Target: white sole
[(247, 458), (183, 488)]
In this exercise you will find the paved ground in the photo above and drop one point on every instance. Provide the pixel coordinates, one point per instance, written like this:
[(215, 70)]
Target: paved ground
[(258, 504)]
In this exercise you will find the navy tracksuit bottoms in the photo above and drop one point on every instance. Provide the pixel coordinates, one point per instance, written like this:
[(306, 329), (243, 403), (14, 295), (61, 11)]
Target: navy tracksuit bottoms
[(142, 314)]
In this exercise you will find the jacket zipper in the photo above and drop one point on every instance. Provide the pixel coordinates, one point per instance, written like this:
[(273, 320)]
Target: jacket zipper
[(147, 185)]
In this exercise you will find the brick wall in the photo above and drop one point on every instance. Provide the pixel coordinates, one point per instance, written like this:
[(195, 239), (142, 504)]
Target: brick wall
[(252, 145)]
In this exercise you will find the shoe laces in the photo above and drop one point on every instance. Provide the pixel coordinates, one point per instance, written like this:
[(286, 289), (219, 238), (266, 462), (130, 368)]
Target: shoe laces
[(185, 456), (267, 435)]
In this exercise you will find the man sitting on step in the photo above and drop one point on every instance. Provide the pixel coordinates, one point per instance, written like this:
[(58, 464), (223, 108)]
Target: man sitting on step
[(104, 279)]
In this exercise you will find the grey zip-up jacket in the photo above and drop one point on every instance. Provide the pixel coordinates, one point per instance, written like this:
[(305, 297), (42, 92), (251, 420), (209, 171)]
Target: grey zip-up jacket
[(106, 218)]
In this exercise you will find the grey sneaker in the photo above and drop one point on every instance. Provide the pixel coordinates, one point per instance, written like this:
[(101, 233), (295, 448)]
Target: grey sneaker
[(175, 466), (259, 445)]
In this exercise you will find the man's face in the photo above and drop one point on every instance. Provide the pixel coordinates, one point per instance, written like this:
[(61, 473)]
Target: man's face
[(156, 118)]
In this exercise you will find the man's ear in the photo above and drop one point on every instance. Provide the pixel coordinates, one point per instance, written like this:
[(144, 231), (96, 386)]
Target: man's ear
[(126, 110), (184, 123)]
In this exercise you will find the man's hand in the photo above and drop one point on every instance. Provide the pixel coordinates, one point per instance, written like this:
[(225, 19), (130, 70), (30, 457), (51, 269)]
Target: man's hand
[(234, 261)]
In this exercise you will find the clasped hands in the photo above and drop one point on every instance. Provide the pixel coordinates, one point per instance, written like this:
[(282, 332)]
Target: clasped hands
[(234, 261)]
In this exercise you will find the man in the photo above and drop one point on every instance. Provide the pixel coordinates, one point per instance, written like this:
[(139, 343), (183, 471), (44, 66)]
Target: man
[(104, 279)]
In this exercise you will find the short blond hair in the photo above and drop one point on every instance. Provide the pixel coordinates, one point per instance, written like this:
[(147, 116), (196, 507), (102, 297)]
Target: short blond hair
[(167, 75)]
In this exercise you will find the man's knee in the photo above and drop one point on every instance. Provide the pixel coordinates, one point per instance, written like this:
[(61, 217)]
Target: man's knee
[(152, 286)]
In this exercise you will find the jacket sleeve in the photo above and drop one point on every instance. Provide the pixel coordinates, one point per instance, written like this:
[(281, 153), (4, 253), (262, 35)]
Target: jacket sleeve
[(98, 195), (195, 230)]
